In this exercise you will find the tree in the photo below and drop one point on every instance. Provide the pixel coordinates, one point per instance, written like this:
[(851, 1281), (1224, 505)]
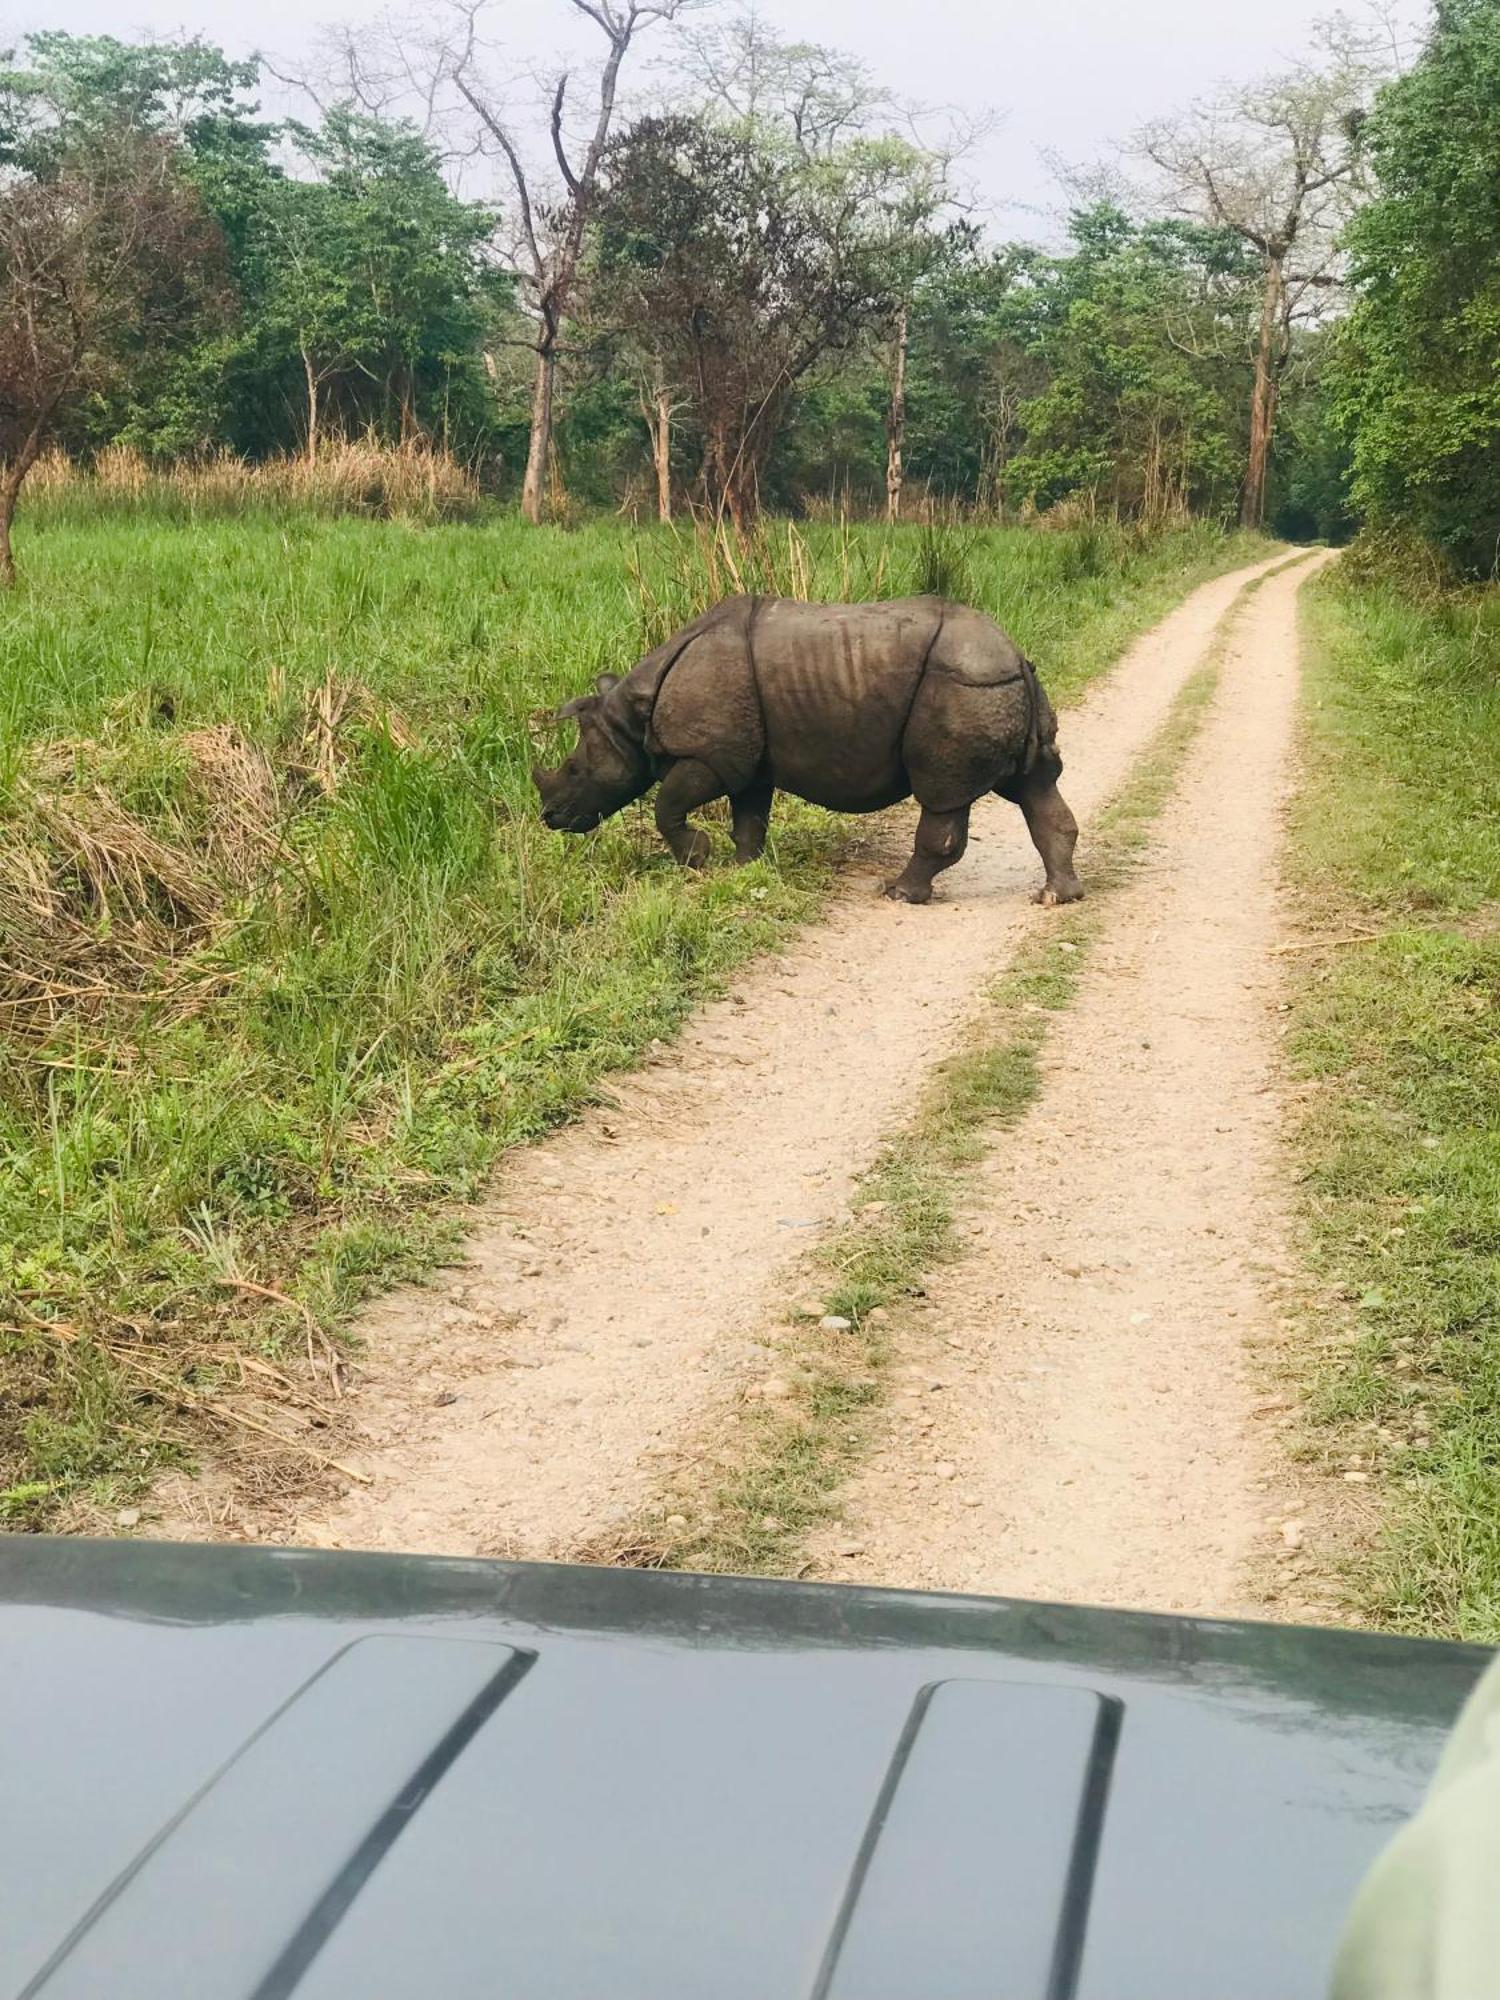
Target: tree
[(72, 92), (1416, 390), (546, 231), (104, 257), (1134, 329), (69, 100), (822, 103), (747, 263), (367, 270), (1277, 164)]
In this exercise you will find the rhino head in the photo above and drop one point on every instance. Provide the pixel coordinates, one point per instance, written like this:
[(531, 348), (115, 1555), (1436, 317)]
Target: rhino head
[(606, 771)]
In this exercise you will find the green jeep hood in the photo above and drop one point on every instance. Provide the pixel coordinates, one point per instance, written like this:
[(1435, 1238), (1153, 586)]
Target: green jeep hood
[(235, 1774)]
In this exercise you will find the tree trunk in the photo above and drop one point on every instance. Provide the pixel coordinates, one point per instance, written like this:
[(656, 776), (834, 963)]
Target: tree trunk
[(895, 422), (312, 406), (1263, 398), (10, 486), (533, 488), (661, 446), (10, 489)]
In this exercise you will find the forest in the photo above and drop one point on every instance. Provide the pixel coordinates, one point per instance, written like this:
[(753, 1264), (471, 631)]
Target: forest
[(745, 276)]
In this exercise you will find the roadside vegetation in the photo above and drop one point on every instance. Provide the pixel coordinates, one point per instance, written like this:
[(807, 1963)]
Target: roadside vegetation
[(286, 959), (1397, 1034)]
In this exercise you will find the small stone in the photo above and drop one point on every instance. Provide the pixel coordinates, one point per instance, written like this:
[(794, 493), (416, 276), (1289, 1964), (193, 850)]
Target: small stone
[(811, 1309), (1291, 1534), (531, 1270), (935, 1384), (1071, 1270), (677, 1520), (875, 1208), (835, 1323), (1357, 1478), (877, 1316), (128, 1517), (775, 1388), (945, 1469), (771, 1525), (851, 1548), (969, 1500), (444, 1397), (1140, 1319)]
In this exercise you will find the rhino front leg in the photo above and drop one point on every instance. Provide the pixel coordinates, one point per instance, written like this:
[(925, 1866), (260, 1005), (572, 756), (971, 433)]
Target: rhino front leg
[(751, 810), (1054, 834), (686, 786), (941, 840)]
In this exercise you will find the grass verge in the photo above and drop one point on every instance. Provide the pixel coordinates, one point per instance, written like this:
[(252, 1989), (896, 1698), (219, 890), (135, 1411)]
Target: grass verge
[(774, 1472), (1396, 1036)]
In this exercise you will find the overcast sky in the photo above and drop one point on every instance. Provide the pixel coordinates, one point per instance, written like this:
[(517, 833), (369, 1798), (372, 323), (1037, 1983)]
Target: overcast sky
[(1069, 77)]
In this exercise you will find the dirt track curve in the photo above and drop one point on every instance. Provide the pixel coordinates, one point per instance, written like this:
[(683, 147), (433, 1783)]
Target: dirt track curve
[(622, 1273)]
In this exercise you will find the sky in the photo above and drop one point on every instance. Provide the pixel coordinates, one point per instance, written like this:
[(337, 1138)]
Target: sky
[(1067, 79)]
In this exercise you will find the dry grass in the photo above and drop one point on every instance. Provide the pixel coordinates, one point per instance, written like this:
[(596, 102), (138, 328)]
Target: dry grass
[(99, 909), (363, 476)]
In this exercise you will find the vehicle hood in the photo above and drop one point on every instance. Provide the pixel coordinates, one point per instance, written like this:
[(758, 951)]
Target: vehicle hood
[(236, 1774)]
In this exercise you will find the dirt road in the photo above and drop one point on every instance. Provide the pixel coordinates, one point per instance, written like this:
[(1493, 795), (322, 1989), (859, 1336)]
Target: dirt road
[(1084, 1420), (626, 1270)]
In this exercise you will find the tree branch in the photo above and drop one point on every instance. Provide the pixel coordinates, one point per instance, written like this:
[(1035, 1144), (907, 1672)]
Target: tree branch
[(557, 135)]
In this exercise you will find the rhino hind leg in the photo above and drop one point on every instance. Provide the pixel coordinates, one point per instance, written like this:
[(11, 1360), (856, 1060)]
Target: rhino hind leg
[(687, 785), (941, 840), (1054, 834), (751, 811)]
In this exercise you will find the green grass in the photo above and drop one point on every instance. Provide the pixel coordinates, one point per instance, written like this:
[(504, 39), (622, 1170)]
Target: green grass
[(1397, 1034), (286, 1036), (774, 1476)]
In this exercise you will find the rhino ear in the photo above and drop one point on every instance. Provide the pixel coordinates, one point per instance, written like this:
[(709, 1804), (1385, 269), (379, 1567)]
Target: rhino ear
[(606, 682), (579, 705)]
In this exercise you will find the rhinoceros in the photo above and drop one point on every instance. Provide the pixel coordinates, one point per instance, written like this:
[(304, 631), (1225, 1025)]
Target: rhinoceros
[(851, 706)]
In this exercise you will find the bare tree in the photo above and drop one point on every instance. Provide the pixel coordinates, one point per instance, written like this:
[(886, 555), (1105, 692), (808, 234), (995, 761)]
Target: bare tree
[(819, 97), (445, 79), (1279, 164), (551, 233), (106, 256)]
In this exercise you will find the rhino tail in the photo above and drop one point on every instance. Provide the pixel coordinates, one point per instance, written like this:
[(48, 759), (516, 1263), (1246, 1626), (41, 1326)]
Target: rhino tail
[(1033, 715)]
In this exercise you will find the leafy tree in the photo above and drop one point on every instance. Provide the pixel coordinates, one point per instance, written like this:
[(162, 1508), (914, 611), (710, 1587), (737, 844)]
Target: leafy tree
[(747, 264), (106, 256), (72, 92), (369, 275), (1417, 388), (1134, 329)]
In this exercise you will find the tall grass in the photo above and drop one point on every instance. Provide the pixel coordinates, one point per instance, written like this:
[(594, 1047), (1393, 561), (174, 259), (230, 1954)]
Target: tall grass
[(345, 476), (1397, 1034), (286, 959)]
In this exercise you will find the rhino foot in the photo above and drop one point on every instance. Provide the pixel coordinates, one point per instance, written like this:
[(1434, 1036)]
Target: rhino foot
[(1051, 894), (907, 892)]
